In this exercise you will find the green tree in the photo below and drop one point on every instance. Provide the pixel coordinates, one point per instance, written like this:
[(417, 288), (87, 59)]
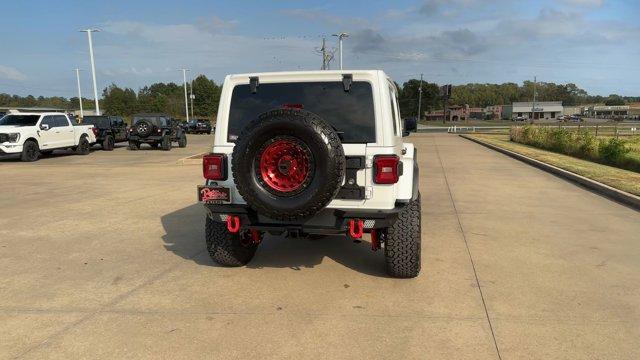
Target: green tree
[(118, 101), (614, 100), (408, 97), (207, 96)]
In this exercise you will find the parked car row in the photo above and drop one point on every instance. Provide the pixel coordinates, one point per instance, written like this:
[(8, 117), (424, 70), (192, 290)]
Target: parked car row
[(35, 134), (199, 126)]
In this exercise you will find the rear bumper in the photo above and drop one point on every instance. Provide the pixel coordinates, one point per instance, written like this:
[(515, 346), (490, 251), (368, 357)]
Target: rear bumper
[(148, 139), (326, 222)]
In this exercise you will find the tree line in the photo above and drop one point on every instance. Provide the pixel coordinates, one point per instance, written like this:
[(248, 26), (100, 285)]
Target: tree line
[(163, 98), (155, 98), (481, 95), (169, 97)]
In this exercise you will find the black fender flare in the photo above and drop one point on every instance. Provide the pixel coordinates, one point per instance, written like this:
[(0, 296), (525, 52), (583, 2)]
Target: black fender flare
[(416, 176)]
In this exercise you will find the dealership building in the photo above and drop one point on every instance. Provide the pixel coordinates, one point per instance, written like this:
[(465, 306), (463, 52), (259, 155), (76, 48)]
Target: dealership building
[(607, 111), (530, 110)]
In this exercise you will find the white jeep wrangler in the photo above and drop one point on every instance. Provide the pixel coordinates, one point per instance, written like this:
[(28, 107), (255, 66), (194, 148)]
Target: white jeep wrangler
[(314, 152)]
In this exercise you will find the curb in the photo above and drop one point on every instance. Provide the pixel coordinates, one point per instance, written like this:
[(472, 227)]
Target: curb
[(607, 191), (191, 160)]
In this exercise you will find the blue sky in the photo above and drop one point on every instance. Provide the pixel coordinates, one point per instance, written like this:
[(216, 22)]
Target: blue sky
[(592, 43)]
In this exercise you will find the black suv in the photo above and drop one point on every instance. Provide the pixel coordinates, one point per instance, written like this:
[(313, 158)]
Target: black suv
[(109, 130), (199, 126), (156, 130), (184, 126)]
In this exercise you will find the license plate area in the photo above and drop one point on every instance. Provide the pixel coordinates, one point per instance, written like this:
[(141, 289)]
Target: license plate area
[(213, 194)]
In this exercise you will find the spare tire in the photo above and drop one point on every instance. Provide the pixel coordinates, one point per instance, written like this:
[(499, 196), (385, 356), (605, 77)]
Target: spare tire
[(288, 164), (143, 128)]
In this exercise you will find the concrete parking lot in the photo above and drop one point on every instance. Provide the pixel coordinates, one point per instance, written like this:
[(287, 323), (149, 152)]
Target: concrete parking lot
[(102, 256)]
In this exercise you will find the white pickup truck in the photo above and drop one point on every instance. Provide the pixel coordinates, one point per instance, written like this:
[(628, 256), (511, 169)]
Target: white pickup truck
[(33, 134)]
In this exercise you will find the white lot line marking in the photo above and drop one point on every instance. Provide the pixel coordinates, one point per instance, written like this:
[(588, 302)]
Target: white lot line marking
[(466, 244), (101, 309)]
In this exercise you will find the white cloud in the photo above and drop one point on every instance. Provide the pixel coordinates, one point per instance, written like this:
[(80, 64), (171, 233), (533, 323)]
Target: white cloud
[(319, 15), (584, 3), (10, 73), (133, 53)]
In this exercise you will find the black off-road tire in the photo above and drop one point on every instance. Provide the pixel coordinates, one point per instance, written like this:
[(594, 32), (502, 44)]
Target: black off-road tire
[(225, 248), (166, 143), (402, 243), (134, 145), (182, 142), (84, 147), (108, 143), (327, 168), (30, 151)]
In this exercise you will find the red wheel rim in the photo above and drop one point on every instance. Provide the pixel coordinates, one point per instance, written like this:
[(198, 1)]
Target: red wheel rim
[(285, 165)]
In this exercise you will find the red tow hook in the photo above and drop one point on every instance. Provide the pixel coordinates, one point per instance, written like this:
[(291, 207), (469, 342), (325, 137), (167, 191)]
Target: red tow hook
[(375, 242), (233, 224), (255, 236), (356, 228)]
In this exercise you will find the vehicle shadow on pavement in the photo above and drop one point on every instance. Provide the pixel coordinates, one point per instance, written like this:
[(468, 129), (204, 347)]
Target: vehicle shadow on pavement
[(184, 236), (43, 157)]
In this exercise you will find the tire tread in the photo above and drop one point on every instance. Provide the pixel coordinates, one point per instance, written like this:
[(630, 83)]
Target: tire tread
[(225, 248), (403, 243)]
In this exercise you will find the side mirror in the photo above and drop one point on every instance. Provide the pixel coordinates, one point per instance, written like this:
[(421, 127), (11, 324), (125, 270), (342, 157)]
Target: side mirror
[(410, 125), (44, 127)]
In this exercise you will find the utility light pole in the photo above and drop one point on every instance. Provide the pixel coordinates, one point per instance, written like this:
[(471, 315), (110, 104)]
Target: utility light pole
[(327, 54), (533, 105), (79, 93), (93, 68), (186, 102), (341, 36), (420, 98), (191, 97), (324, 54)]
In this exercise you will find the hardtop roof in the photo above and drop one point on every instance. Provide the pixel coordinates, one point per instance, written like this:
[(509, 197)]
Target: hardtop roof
[(294, 75)]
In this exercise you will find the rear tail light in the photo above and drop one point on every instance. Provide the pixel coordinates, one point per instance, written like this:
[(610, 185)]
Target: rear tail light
[(386, 169), (214, 166), (95, 131)]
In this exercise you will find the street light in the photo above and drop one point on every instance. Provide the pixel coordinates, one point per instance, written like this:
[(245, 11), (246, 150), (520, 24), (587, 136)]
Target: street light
[(93, 68), (191, 97), (341, 36), (186, 102), (79, 93)]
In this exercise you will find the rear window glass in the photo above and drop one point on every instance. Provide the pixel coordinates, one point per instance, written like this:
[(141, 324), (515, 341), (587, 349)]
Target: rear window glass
[(350, 113), (156, 120), (98, 121)]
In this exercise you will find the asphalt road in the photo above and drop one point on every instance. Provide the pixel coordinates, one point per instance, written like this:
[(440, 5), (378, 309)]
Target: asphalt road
[(102, 256)]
